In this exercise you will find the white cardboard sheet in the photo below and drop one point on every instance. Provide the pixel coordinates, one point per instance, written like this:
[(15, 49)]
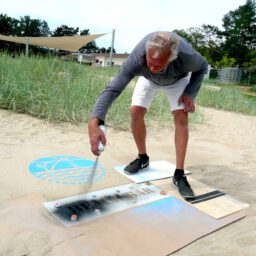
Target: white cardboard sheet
[(157, 170)]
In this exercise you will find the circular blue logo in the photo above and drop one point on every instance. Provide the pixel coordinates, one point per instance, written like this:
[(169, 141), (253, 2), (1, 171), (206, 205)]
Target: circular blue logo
[(65, 170)]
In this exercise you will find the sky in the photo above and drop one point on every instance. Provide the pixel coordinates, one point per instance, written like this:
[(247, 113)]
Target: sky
[(131, 19)]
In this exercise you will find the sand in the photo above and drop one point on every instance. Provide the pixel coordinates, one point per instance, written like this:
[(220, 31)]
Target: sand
[(221, 153)]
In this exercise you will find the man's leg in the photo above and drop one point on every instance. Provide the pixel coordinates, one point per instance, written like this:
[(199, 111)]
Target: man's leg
[(181, 141), (180, 117), (143, 94), (138, 127), (181, 136)]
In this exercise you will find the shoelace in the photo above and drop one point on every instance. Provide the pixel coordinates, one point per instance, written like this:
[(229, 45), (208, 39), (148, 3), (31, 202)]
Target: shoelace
[(184, 178), (134, 161)]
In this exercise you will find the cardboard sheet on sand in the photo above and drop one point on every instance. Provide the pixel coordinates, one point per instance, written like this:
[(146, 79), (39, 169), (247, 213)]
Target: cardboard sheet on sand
[(217, 205), (156, 170), (157, 228), (27, 214)]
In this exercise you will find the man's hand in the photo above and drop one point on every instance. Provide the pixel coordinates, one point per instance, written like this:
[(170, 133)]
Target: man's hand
[(188, 103), (96, 135)]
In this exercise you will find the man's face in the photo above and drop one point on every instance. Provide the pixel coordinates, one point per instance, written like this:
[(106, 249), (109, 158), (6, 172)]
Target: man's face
[(156, 64)]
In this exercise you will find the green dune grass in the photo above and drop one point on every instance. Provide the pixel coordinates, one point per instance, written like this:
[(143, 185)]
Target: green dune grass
[(56, 90)]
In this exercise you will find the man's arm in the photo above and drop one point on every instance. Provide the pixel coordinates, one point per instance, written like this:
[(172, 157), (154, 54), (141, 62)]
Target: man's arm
[(95, 135), (197, 65), (101, 107), (110, 93), (130, 69), (103, 103)]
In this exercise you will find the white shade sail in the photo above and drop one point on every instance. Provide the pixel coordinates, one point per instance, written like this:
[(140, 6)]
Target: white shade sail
[(67, 43)]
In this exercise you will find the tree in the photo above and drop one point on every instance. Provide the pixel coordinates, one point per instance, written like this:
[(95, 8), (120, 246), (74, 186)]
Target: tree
[(23, 27), (183, 33), (64, 30), (226, 62), (33, 27), (240, 32), (109, 50), (6, 28), (44, 29), (235, 42), (91, 47), (211, 43), (102, 50), (6, 25), (206, 40)]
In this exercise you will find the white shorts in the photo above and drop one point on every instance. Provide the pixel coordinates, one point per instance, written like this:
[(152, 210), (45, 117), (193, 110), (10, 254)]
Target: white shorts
[(145, 91)]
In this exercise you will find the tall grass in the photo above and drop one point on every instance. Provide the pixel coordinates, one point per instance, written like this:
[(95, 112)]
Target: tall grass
[(253, 88), (55, 90), (49, 88), (227, 98)]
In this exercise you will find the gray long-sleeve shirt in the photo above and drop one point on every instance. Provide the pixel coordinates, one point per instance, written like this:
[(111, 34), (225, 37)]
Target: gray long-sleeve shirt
[(188, 60)]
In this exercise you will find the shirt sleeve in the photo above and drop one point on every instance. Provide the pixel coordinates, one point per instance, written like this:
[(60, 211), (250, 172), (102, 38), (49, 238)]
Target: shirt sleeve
[(130, 69), (196, 64), (114, 89)]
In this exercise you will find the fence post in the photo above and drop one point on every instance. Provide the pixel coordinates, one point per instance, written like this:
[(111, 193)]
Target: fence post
[(112, 47), (27, 46)]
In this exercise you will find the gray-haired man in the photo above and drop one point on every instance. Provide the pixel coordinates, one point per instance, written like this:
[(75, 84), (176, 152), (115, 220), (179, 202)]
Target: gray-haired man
[(164, 61)]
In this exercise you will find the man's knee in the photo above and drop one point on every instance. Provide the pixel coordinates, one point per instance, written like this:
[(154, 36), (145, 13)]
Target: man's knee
[(137, 112), (180, 118)]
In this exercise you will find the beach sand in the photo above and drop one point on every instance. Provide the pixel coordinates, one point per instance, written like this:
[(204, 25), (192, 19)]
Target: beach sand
[(221, 153)]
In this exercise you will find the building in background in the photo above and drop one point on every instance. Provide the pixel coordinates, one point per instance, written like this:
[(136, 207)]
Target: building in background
[(103, 59), (97, 59)]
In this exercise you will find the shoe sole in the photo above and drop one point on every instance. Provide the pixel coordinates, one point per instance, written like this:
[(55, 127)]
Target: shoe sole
[(137, 171), (187, 197)]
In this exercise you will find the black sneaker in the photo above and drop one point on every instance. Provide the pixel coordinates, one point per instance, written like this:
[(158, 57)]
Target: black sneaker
[(138, 164), (183, 186)]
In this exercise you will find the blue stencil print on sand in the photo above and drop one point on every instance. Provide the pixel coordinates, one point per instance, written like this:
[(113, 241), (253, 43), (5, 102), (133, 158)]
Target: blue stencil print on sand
[(71, 170)]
